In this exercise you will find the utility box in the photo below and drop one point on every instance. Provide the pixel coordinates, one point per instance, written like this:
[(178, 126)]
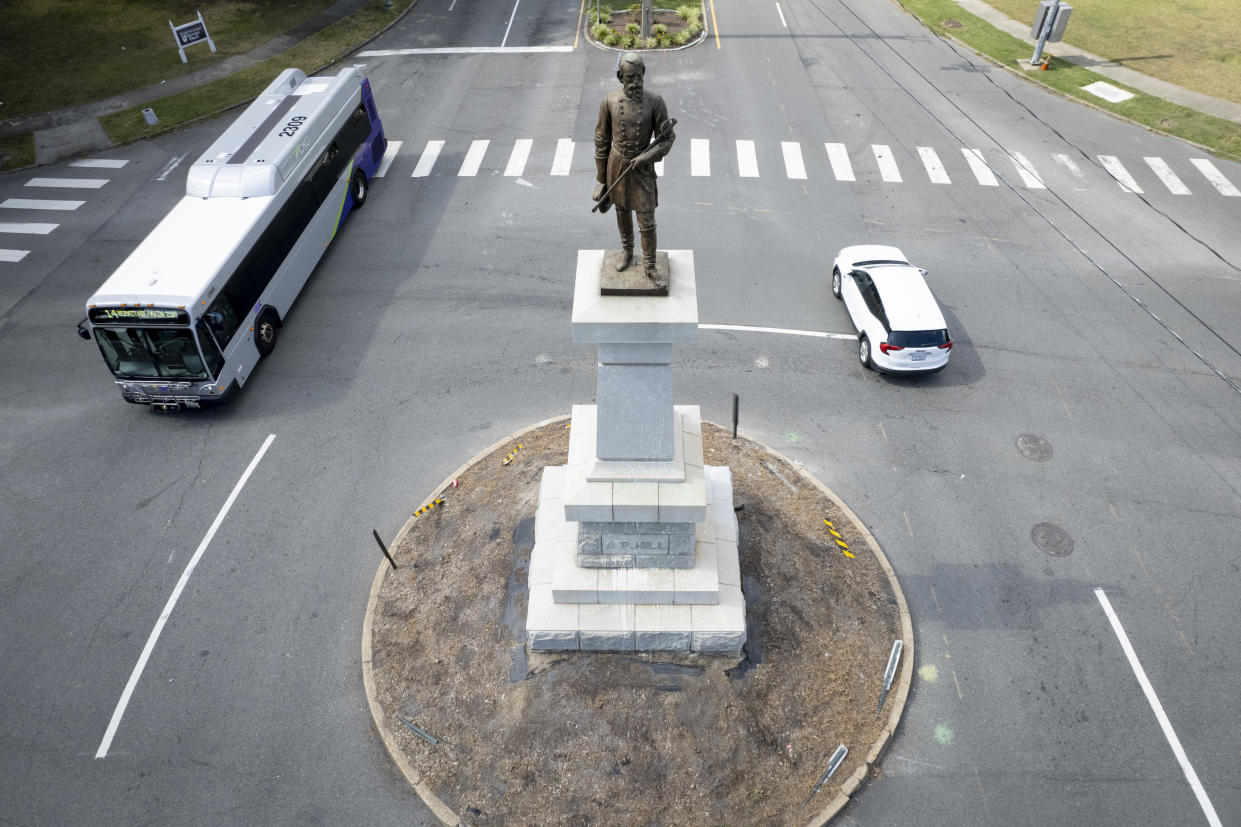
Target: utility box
[(1062, 12)]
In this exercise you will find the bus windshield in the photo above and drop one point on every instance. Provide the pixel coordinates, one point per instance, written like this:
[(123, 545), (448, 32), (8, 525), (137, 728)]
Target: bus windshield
[(151, 352)]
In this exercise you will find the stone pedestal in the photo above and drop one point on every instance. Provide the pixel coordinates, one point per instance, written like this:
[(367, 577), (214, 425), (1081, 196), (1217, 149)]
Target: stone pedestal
[(635, 538)]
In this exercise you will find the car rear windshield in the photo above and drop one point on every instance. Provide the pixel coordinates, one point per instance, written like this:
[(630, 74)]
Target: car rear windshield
[(918, 338)]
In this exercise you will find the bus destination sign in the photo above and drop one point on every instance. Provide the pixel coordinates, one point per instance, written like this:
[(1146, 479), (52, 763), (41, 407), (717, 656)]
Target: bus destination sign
[(138, 315)]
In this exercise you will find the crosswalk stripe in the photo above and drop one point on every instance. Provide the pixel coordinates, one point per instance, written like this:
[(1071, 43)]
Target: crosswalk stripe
[(100, 163), (934, 168), (838, 157), (563, 161), (979, 167), (1026, 170), (473, 159), (1113, 165), (28, 229), (389, 156), (747, 161), (887, 164), (430, 153), (13, 255), (794, 166), (68, 183), (1164, 172), (517, 159), (699, 157), (39, 204), (1069, 164), (1213, 175)]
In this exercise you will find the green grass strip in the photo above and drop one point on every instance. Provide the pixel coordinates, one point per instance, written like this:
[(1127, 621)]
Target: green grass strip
[(1221, 136)]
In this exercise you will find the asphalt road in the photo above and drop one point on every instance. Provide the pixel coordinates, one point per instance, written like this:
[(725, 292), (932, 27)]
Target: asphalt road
[(1093, 388)]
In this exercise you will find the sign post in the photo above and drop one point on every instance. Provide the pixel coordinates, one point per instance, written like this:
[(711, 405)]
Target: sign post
[(1049, 25), (190, 33)]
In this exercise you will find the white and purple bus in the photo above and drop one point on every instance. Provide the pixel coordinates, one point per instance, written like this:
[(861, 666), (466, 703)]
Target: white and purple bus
[(186, 317)]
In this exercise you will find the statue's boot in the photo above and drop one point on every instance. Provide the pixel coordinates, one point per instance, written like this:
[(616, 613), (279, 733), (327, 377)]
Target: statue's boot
[(624, 220), (648, 257)]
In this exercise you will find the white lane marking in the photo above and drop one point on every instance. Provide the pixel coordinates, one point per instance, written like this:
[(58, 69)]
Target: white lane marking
[(517, 159), (699, 157), (887, 164), (119, 712), (473, 159), (38, 204), (429, 155), (934, 167), (172, 164), (468, 50), (452, 4), (1027, 172), (68, 183), (979, 167), (13, 255), (511, 18), (28, 229), (562, 162), (794, 166), (781, 13), (100, 163), (838, 157), (747, 161), (818, 334), (389, 156), (1192, 777), (1217, 179), (1069, 164), (1165, 174), (1113, 165)]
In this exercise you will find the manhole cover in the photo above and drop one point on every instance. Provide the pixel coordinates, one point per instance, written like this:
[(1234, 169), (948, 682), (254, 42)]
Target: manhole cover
[(1052, 540), (1034, 447)]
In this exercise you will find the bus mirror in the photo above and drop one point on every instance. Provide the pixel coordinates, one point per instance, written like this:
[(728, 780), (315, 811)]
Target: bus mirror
[(83, 331)]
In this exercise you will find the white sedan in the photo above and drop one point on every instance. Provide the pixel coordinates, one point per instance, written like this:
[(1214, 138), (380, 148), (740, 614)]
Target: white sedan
[(899, 324)]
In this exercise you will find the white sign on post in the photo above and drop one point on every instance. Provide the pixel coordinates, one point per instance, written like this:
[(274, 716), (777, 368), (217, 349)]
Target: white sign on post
[(190, 33)]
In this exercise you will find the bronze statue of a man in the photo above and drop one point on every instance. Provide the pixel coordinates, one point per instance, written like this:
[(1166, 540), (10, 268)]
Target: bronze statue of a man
[(633, 132)]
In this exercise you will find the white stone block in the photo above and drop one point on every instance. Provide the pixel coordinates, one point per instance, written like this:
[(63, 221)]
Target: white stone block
[(662, 628), (720, 628), (635, 319), (586, 501), (548, 621), (701, 584), (583, 428), (653, 586), (635, 502), (606, 628), (728, 563), (573, 584), (684, 502), (691, 418)]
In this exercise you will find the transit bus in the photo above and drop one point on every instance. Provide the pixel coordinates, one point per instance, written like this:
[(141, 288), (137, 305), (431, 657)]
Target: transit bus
[(184, 319)]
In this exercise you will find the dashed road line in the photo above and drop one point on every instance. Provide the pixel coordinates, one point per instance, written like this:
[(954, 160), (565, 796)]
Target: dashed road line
[(747, 160), (1165, 174), (888, 170), (1215, 177), (978, 166), (934, 167), (838, 157), (389, 156), (39, 204), (1117, 170)]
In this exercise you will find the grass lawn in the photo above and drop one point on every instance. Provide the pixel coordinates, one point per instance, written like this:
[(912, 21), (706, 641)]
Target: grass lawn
[(60, 53), (1192, 43), (1221, 136)]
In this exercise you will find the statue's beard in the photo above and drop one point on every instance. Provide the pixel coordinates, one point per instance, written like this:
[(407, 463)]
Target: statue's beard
[(633, 91)]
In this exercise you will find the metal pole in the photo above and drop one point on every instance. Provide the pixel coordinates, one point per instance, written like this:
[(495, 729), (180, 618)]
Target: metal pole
[(1045, 32), (736, 410)]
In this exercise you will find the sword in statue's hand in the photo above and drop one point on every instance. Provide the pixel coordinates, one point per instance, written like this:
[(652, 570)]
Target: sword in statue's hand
[(602, 204)]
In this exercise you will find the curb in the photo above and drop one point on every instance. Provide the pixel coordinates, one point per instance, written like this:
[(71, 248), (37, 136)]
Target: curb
[(898, 696)]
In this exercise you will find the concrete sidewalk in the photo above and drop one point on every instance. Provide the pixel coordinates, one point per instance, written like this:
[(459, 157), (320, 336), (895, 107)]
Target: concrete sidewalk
[(76, 130), (1228, 110)]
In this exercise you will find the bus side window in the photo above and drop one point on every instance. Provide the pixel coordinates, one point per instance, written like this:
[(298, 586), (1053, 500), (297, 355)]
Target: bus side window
[(222, 319), (215, 360)]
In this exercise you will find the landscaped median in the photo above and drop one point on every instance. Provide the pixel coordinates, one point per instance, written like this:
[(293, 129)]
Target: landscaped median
[(948, 18)]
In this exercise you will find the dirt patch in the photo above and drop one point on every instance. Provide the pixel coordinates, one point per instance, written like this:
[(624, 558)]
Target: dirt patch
[(594, 738)]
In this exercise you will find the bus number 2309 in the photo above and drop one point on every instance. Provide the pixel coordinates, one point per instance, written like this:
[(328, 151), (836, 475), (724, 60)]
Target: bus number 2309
[(292, 126)]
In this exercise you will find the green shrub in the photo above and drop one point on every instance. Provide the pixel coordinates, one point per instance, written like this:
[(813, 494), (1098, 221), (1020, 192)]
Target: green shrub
[(600, 31), (693, 29), (686, 12), (659, 30), (613, 39), (680, 38), (632, 28), (648, 43), (628, 41)]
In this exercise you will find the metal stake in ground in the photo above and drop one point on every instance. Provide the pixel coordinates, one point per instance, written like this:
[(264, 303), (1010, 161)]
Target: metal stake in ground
[(837, 757), (897, 645)]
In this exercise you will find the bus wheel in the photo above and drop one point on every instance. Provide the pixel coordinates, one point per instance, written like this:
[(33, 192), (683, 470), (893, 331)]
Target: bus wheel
[(357, 188), (265, 331)]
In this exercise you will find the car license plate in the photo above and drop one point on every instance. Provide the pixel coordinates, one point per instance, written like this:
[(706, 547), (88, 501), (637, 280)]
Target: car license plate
[(919, 355)]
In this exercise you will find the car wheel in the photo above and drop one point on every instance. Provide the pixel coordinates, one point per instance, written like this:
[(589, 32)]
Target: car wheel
[(265, 332), (863, 351), (357, 188), (836, 282)]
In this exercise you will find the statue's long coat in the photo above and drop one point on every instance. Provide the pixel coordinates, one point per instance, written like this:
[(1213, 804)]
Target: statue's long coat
[(624, 131)]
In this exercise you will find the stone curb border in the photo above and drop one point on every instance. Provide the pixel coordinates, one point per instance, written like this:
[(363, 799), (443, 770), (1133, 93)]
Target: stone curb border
[(899, 695), (701, 36)]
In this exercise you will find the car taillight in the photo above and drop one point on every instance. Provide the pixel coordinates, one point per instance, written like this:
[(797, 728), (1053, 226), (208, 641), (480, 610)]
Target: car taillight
[(887, 348), (946, 345)]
